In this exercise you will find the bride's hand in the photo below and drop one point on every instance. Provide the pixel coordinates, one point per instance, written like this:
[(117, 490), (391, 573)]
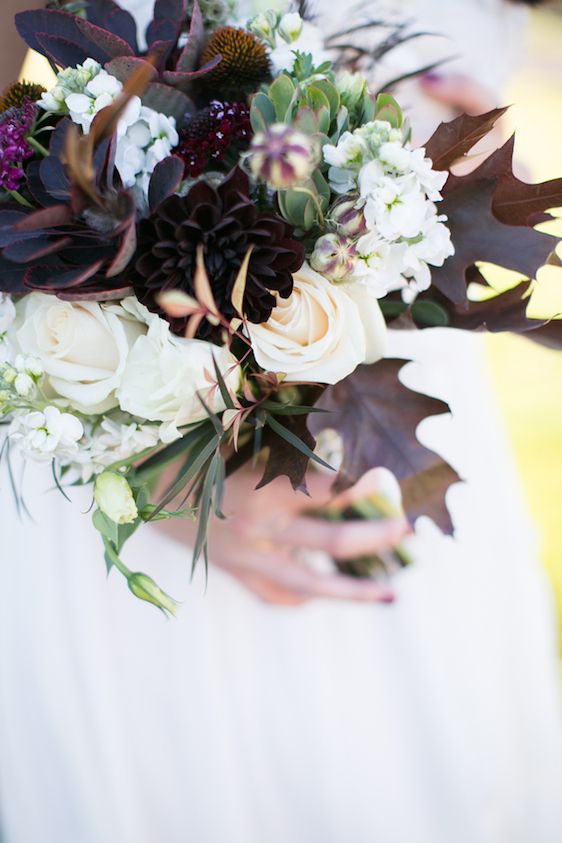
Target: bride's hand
[(264, 528)]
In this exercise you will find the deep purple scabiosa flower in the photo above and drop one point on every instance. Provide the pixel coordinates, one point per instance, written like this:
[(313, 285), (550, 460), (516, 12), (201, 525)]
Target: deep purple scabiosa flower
[(14, 148), (211, 133), (282, 156)]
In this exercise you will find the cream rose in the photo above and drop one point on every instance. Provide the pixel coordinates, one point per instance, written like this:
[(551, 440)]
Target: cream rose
[(82, 345), (322, 332), (165, 375)]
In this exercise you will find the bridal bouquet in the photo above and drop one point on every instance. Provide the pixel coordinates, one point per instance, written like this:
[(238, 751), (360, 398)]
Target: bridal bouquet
[(203, 241)]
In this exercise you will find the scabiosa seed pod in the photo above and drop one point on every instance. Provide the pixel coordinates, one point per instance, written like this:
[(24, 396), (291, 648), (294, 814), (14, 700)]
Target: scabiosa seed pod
[(347, 218), (244, 61), (334, 257), (282, 156), (211, 133)]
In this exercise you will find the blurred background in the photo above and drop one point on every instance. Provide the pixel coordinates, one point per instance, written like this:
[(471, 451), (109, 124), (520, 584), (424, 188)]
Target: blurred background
[(529, 377)]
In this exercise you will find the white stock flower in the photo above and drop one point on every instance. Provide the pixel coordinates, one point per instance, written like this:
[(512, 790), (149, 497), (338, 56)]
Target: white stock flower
[(144, 136), (167, 377), (47, 434), (82, 346), (321, 333), (395, 208), (380, 264)]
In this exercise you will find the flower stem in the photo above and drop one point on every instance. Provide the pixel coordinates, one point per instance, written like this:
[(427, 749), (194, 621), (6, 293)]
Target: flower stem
[(19, 198), (38, 147)]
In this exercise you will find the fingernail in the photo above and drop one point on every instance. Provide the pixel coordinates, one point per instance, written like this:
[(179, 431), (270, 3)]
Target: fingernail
[(387, 597), (432, 77)]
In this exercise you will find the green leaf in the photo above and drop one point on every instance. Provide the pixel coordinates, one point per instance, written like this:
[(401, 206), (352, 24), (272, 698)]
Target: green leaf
[(387, 108), (193, 465), (430, 313), (332, 95), (154, 465), (262, 112), (204, 510), (306, 120), (281, 93)]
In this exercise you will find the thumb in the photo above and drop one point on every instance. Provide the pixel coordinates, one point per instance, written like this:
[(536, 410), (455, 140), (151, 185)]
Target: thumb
[(457, 91)]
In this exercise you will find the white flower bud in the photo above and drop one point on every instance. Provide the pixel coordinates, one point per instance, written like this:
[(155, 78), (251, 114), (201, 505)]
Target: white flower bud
[(24, 385), (290, 27), (334, 257), (282, 156), (347, 218), (114, 497), (144, 587)]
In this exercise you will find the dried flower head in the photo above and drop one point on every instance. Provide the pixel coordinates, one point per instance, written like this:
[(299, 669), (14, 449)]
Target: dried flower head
[(245, 63), (18, 93)]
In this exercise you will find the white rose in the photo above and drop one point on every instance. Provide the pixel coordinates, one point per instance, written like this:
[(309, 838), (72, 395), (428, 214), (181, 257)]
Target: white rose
[(83, 347), (7, 312), (165, 375), (322, 332)]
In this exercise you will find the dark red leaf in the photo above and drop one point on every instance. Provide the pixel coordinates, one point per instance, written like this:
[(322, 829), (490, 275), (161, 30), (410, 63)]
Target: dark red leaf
[(165, 180), (29, 250), (170, 17), (49, 29), (110, 16), (452, 140), (167, 100), (123, 67), (50, 217), (182, 81), (377, 418), (61, 51), (189, 57)]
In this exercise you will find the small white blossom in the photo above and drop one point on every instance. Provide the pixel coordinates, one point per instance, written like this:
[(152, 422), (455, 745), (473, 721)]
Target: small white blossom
[(48, 434)]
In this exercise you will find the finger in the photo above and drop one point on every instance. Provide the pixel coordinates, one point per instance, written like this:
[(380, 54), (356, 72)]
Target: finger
[(345, 539), (311, 585), (458, 91), (376, 481), (269, 591)]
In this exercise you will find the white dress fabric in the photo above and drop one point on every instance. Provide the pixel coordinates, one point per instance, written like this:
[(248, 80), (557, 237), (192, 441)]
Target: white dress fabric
[(433, 720)]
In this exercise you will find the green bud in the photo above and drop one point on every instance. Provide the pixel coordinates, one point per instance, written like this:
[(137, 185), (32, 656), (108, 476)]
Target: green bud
[(114, 497), (9, 375), (144, 587)]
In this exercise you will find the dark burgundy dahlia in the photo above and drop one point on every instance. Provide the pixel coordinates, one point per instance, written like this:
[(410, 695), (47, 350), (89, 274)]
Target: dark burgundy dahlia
[(227, 222)]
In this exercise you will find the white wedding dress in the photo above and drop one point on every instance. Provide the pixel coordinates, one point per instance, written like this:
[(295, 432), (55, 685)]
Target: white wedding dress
[(434, 720)]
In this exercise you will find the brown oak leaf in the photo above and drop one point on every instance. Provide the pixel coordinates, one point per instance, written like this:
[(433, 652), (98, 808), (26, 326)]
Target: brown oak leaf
[(452, 141), (478, 235), (377, 417)]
